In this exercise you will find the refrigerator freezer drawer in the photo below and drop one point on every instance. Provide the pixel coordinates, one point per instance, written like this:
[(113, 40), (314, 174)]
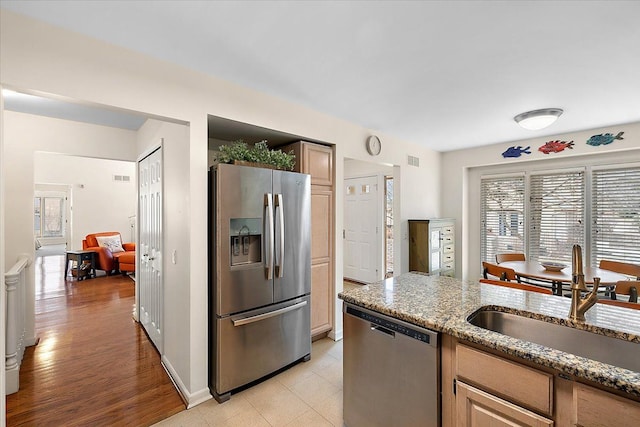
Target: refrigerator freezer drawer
[(253, 344)]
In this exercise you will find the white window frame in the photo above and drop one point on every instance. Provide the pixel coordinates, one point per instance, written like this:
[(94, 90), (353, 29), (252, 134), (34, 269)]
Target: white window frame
[(610, 167), (516, 175), (588, 202), (529, 207), (42, 195)]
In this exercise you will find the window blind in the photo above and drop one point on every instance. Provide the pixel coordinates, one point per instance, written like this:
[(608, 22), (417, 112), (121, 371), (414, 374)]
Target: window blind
[(615, 231), (556, 220), (502, 216)]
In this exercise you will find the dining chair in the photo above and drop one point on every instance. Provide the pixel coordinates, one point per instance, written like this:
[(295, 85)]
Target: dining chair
[(502, 273), (510, 257), (633, 305), (530, 288), (626, 287), (621, 267)]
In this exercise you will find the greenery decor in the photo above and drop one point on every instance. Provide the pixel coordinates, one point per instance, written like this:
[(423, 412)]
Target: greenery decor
[(260, 153)]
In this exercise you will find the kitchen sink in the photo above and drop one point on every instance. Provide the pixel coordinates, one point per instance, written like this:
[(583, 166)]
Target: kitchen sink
[(613, 351)]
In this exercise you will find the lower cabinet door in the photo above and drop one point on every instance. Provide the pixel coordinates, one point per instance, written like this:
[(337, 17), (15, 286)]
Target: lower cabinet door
[(476, 408), (593, 407)]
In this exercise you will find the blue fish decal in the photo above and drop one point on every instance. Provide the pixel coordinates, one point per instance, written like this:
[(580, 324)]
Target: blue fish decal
[(516, 151), (604, 139)]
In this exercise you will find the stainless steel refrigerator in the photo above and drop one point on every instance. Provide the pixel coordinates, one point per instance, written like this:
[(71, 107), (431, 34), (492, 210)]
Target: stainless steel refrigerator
[(260, 274)]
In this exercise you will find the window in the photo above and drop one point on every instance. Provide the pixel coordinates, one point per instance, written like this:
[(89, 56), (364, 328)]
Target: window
[(596, 207), (502, 212), (388, 225), (615, 230), (48, 215), (557, 215)]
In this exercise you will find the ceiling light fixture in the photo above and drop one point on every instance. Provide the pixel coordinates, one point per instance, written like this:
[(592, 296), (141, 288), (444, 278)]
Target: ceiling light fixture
[(538, 119)]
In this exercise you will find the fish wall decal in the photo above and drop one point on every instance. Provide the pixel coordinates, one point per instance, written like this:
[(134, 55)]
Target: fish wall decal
[(516, 151), (555, 146), (604, 139)]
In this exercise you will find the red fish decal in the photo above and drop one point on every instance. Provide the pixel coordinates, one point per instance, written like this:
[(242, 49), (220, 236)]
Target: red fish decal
[(555, 146)]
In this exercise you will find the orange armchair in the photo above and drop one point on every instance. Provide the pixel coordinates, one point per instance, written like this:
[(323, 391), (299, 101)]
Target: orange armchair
[(108, 256)]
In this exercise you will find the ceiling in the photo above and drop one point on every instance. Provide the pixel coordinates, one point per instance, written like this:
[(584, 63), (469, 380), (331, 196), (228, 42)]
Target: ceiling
[(443, 74)]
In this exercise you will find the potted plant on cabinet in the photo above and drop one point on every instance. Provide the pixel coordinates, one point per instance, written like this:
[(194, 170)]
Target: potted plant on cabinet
[(260, 155)]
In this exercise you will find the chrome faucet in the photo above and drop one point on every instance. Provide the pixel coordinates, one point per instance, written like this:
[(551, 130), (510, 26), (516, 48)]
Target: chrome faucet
[(580, 306)]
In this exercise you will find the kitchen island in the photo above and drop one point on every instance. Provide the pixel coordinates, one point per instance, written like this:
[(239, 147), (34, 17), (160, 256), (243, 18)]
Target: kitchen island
[(443, 304)]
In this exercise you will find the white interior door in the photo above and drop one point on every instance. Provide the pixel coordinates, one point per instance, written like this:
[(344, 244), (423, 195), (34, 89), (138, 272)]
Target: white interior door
[(150, 247), (361, 229)]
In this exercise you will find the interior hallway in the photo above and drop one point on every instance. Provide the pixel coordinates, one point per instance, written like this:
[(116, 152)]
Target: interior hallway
[(93, 364)]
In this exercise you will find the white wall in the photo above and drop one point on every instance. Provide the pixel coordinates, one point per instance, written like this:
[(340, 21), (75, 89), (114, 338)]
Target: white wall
[(357, 168), (175, 143), (461, 171), (2, 268), (99, 203), (83, 68)]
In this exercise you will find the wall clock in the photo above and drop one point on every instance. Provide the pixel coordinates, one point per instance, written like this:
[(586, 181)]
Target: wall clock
[(373, 145)]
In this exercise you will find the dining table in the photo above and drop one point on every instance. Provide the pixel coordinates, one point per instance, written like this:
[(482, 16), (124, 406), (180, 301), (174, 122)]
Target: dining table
[(533, 272)]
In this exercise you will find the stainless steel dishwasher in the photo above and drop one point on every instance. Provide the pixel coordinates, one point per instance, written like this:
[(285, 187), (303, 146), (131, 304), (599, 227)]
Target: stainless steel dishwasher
[(391, 371)]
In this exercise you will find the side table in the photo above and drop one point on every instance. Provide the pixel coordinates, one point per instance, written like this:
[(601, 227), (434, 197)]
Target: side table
[(82, 259)]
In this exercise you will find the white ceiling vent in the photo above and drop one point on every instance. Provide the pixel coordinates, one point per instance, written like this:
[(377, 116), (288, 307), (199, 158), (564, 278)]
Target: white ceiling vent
[(413, 161), (122, 178)]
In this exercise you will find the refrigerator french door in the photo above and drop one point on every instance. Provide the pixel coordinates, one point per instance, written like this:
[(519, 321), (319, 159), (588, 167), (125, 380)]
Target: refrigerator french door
[(260, 274)]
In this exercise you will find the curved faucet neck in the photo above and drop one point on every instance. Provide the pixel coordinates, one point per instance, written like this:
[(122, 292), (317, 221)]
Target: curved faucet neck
[(580, 306)]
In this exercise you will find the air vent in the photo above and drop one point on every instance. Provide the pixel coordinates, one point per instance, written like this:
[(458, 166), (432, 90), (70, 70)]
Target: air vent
[(122, 178), (413, 161)]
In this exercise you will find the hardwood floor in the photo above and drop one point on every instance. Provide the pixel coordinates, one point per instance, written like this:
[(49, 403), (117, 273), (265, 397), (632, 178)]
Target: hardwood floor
[(93, 365)]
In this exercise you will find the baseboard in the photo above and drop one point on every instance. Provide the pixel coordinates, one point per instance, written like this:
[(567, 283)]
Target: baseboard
[(12, 380), (335, 335), (355, 282), (190, 399)]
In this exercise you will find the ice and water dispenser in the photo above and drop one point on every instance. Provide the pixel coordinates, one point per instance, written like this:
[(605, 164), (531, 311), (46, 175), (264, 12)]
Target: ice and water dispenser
[(245, 241)]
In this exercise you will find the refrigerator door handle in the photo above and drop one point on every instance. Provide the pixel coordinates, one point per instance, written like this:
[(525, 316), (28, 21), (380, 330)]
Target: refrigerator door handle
[(279, 267), (259, 317), (268, 244)]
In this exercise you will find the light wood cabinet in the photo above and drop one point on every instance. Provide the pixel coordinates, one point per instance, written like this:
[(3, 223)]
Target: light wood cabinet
[(593, 407), (482, 388), (520, 384), (432, 246), (318, 160), (477, 408)]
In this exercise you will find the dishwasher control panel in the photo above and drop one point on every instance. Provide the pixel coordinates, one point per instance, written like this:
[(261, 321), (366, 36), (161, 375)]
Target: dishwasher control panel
[(389, 324)]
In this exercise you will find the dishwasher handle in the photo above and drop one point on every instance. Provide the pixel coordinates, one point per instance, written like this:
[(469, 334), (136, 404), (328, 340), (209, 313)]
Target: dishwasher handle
[(384, 330)]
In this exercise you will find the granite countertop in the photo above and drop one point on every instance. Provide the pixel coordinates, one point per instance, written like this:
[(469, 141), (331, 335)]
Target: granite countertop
[(443, 304)]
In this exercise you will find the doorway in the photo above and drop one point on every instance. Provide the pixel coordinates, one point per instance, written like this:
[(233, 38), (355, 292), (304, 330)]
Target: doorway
[(361, 229), (388, 226), (32, 137), (368, 221), (51, 218)]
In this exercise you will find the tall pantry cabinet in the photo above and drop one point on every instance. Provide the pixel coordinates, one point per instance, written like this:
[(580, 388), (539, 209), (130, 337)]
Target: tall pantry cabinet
[(318, 161)]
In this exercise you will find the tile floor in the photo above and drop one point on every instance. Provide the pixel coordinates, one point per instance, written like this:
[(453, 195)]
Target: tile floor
[(308, 394)]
